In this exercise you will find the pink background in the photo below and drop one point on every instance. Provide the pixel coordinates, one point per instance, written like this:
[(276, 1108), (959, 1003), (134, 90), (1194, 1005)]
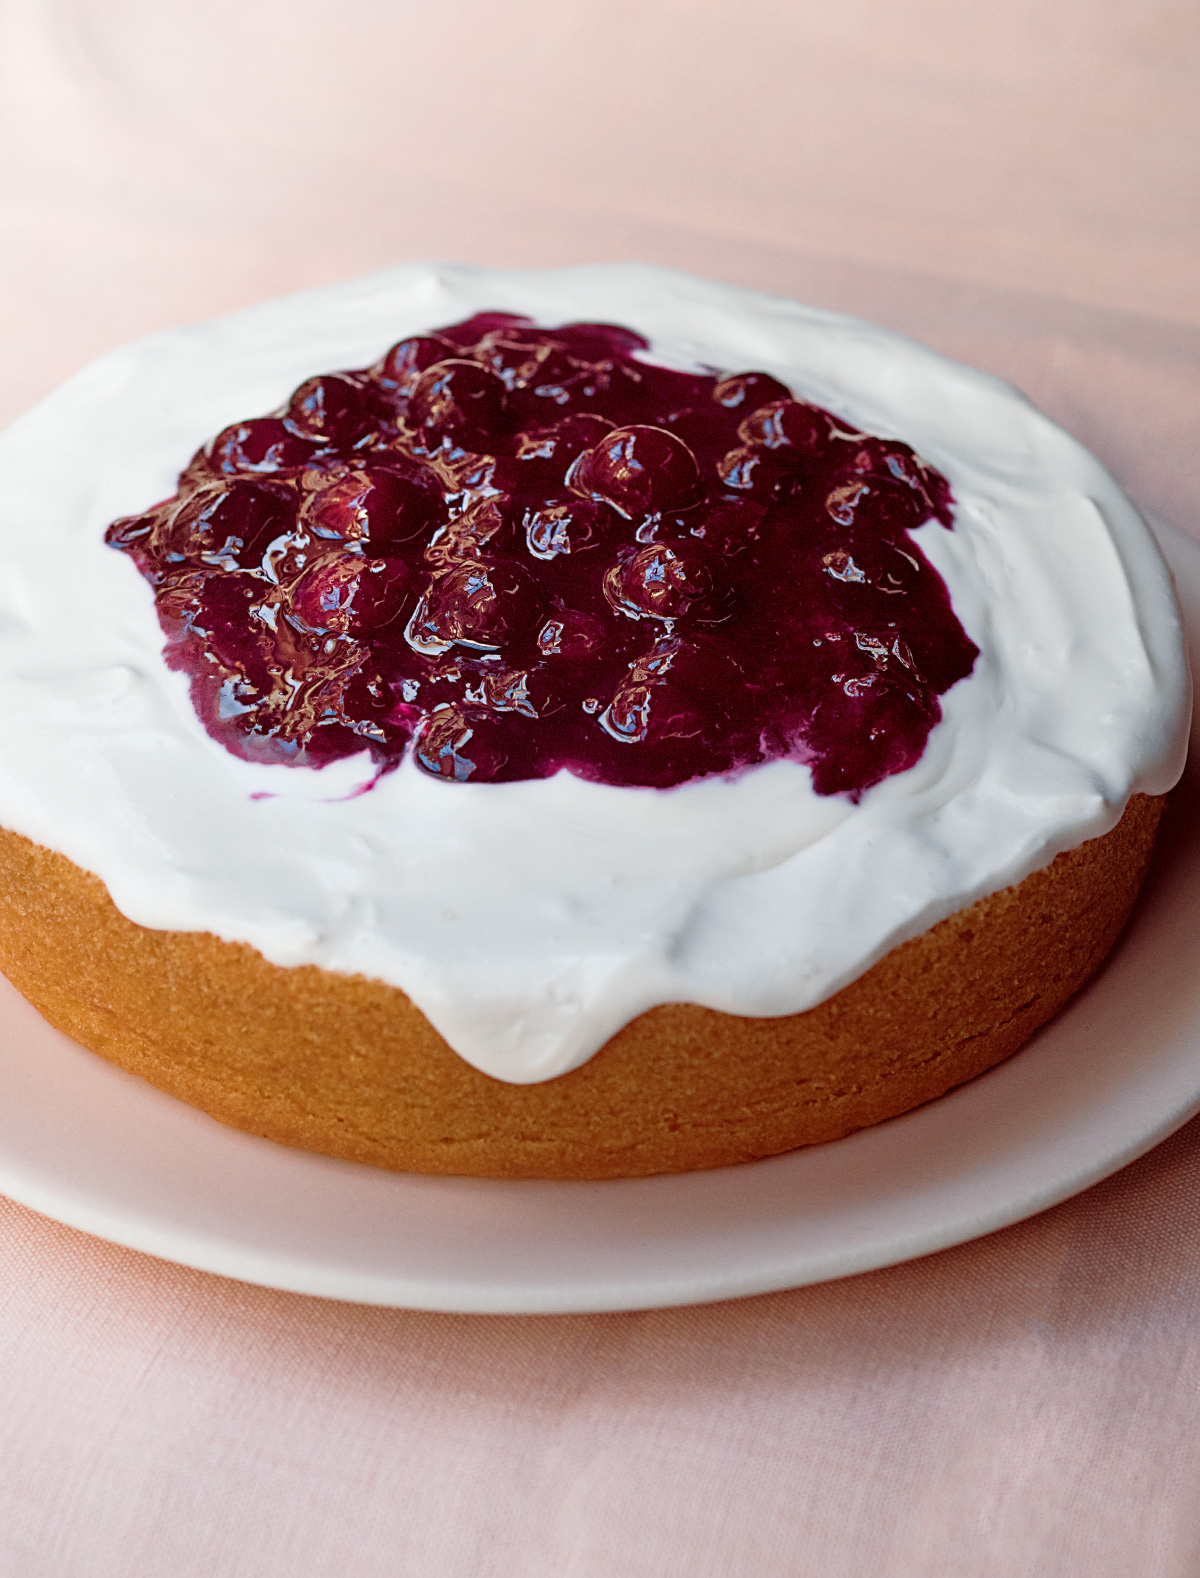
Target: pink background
[(1018, 186)]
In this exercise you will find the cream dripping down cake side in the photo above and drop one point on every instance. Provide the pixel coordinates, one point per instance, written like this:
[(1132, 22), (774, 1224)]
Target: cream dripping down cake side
[(571, 724)]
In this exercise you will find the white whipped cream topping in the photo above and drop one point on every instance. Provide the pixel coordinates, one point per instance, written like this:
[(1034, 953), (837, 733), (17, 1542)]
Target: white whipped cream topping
[(530, 921)]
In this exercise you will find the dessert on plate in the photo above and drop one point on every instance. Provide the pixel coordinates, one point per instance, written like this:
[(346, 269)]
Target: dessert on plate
[(571, 724)]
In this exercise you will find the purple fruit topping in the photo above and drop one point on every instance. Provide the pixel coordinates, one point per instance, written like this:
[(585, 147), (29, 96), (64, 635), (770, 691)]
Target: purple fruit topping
[(508, 550)]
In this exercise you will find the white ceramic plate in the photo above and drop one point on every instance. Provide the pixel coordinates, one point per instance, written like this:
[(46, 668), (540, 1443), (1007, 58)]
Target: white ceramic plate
[(93, 1147)]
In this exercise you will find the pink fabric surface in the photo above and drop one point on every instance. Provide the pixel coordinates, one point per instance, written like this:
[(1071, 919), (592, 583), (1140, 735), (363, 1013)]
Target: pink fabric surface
[(1015, 185)]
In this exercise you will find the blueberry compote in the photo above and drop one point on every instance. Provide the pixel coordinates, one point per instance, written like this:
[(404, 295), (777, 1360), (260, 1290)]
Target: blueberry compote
[(511, 550)]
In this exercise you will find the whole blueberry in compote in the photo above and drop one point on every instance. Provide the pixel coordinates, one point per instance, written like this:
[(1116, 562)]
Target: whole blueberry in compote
[(788, 424), (228, 609), (636, 470), (531, 360), (888, 506), (226, 525), (457, 402), (506, 550), (660, 581), (676, 698), (745, 392), (571, 526), (571, 634), (887, 461), (407, 360), (348, 594), (379, 504), (460, 744), (262, 444), (334, 409), (866, 568), (764, 474), (475, 605), (561, 442)]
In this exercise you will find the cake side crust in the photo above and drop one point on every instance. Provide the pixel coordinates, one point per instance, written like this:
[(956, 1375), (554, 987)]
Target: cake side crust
[(349, 1067)]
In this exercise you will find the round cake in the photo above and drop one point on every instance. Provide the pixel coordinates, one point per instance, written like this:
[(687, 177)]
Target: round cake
[(579, 724)]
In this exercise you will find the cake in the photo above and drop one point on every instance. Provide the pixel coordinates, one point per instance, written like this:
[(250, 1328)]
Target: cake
[(578, 724)]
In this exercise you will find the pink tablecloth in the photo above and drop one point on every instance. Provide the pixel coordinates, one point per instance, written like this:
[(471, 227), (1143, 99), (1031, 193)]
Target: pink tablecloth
[(1015, 184)]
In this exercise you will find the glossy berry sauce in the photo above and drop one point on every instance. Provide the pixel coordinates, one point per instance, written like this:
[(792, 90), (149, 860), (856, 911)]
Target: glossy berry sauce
[(512, 550)]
